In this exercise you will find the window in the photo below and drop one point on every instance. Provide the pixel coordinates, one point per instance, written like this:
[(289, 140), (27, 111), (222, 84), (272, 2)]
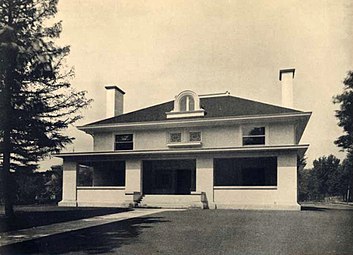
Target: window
[(84, 176), (245, 172), (100, 174), (175, 137), (124, 142), (195, 136), (253, 135), (187, 103)]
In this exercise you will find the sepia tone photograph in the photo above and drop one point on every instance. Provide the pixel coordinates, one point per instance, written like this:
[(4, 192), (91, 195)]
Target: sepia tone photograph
[(176, 127)]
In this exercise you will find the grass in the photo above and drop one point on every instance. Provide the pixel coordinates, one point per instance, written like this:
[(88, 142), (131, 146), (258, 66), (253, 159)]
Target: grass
[(315, 230)]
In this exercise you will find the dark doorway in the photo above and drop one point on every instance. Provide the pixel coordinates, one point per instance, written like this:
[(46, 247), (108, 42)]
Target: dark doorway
[(183, 179), (169, 176)]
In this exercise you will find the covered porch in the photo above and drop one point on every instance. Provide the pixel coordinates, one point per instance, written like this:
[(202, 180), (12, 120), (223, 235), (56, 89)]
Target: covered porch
[(251, 178)]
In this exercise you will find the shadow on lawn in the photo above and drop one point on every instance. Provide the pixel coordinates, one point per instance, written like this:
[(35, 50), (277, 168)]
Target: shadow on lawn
[(39, 216), (95, 240)]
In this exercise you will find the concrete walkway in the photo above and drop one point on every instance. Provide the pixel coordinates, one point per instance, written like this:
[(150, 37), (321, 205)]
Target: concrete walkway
[(57, 228)]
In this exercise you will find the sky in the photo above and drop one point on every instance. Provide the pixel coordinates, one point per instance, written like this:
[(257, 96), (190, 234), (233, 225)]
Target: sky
[(155, 49)]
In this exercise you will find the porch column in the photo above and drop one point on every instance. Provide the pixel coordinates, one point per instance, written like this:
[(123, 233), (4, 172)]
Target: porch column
[(287, 181), (204, 179), (69, 184), (133, 181)]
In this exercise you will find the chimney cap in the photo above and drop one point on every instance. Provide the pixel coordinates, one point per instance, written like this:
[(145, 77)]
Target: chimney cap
[(115, 87), (287, 70)]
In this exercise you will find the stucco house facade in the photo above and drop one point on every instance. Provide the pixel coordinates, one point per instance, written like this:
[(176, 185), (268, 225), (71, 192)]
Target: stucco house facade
[(207, 151)]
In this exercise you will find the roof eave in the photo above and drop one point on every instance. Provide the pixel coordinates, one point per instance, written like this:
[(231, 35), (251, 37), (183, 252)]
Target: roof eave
[(300, 149), (198, 121)]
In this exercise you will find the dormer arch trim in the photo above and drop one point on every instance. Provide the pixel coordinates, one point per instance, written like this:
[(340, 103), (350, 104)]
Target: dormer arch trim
[(186, 104), (186, 100)]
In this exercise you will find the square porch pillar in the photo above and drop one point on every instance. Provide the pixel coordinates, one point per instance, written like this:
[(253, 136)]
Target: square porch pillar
[(204, 179), (133, 181), (287, 186), (69, 184)]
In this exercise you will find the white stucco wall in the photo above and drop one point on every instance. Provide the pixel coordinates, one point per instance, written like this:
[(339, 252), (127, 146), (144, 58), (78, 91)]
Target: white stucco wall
[(281, 134), (204, 178), (100, 196), (153, 139), (133, 178), (212, 137), (103, 141)]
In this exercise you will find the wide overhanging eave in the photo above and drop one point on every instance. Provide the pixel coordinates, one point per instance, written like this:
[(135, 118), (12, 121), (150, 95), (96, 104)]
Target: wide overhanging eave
[(300, 149), (196, 122)]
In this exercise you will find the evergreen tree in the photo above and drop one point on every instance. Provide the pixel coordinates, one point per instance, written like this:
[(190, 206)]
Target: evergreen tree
[(37, 100)]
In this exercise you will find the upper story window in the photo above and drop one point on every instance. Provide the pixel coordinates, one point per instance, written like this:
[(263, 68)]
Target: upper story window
[(184, 138), (175, 137), (124, 142), (186, 104), (195, 136), (253, 135)]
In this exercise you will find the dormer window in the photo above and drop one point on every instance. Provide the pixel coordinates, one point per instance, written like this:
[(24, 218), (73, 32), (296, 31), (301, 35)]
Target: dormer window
[(186, 104)]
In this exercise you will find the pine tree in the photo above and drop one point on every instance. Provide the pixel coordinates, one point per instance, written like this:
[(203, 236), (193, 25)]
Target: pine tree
[(36, 98)]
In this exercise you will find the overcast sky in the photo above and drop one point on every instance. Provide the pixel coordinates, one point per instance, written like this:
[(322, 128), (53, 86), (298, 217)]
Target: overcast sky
[(155, 49)]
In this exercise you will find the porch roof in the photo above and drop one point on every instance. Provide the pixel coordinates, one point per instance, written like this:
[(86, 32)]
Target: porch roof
[(300, 149)]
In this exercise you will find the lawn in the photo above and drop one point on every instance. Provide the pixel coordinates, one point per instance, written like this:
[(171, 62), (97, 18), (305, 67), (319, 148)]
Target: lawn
[(39, 215), (311, 231)]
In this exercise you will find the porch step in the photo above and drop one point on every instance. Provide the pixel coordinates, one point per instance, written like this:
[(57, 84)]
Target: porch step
[(173, 201)]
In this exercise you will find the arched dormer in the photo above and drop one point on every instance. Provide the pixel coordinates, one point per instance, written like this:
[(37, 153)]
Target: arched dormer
[(186, 104)]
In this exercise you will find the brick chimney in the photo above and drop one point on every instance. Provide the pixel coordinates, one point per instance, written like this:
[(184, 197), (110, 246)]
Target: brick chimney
[(286, 76), (114, 101)]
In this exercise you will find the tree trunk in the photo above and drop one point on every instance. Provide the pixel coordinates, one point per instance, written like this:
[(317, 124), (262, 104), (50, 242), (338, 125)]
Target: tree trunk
[(6, 181)]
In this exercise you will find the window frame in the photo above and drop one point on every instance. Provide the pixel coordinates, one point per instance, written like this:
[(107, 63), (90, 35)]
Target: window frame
[(184, 138), (92, 166), (129, 142), (174, 133), (243, 171), (264, 136), (189, 140), (189, 103)]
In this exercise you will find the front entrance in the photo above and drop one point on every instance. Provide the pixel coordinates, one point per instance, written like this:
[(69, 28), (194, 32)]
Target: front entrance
[(176, 177)]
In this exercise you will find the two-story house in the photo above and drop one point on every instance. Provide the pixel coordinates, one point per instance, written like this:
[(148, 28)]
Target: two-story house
[(208, 151)]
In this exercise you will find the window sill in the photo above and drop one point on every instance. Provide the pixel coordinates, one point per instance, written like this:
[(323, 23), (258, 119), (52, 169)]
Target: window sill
[(253, 145), (101, 187), (188, 144), (245, 187), (185, 114)]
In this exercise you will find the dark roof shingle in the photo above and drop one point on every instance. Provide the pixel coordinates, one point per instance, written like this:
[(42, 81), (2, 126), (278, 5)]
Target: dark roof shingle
[(223, 106)]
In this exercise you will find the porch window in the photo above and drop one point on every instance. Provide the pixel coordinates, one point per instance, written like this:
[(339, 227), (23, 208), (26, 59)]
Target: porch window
[(253, 135), (124, 142), (245, 171), (100, 174)]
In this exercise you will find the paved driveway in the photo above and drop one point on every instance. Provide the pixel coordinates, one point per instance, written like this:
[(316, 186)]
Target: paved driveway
[(311, 231)]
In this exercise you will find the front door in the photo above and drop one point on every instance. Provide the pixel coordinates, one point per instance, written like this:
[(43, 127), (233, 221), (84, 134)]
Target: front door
[(169, 176)]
